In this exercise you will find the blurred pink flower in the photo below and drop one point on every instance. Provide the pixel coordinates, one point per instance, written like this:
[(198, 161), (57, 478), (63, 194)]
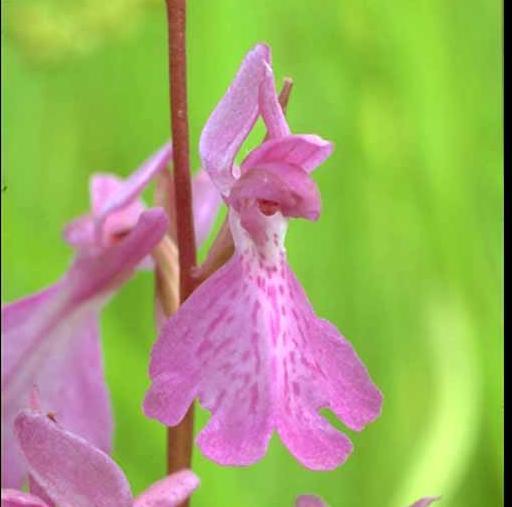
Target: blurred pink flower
[(425, 502), (51, 338), (71, 472), (310, 501), (247, 342), (316, 501)]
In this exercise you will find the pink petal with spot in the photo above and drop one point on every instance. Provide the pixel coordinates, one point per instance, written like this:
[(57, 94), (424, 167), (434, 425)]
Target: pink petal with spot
[(169, 492), (425, 502), (310, 501), (115, 204), (306, 151), (295, 193), (15, 498), (206, 202), (73, 472), (112, 225), (105, 271), (259, 360), (233, 118), (92, 232), (132, 187), (51, 339)]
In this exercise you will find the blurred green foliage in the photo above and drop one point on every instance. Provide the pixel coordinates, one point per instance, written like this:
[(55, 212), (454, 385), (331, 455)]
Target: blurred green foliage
[(406, 259)]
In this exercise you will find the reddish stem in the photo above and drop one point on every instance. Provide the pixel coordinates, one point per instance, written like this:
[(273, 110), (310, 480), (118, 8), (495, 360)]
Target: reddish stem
[(179, 446)]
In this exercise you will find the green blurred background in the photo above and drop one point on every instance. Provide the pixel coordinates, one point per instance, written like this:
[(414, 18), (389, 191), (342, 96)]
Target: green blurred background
[(406, 259)]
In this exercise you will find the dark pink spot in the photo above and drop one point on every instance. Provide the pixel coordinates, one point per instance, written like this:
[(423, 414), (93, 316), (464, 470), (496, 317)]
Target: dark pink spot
[(221, 347), (204, 347), (215, 322), (257, 365), (225, 367), (218, 401), (254, 397), (255, 310)]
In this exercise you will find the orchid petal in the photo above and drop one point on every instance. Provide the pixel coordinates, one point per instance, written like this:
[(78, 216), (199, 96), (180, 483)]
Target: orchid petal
[(289, 187), (73, 472), (79, 233), (233, 118), (133, 186), (238, 434), (310, 501), (25, 320), (425, 502), (102, 189), (65, 362), (259, 359), (306, 151), (93, 275), (206, 201), (170, 491), (270, 109), (15, 498), (115, 207), (19, 320), (112, 224), (51, 339)]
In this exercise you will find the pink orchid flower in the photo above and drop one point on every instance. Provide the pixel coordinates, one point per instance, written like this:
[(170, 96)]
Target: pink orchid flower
[(51, 338), (316, 501), (71, 472), (247, 342)]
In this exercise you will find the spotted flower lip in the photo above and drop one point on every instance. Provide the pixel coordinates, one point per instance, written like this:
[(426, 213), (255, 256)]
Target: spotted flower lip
[(247, 342), (51, 338), (74, 473)]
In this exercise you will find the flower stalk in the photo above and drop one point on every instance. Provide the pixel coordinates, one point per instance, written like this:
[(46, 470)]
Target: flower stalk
[(179, 438)]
